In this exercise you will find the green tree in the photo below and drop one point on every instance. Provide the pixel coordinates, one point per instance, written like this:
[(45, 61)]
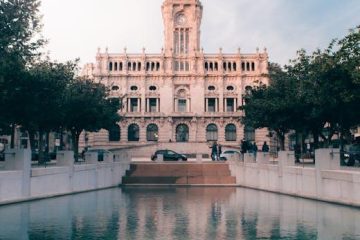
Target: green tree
[(20, 40), (88, 107)]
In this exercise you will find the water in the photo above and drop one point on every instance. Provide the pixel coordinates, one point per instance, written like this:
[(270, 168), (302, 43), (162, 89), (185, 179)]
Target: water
[(178, 213)]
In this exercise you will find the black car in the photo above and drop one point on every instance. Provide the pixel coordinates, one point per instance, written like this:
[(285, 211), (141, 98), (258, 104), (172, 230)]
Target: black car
[(169, 155), (351, 154)]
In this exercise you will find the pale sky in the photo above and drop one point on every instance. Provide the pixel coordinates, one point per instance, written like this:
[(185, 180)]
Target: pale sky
[(76, 28)]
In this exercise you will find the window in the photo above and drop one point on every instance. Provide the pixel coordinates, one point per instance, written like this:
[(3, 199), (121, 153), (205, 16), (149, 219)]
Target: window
[(110, 66), (230, 88), (230, 132), (211, 105), (211, 133), (115, 88), (152, 133), (243, 66), (133, 133), (230, 103), (252, 66), (249, 133), (114, 133), (181, 40), (133, 88), (134, 106), (211, 88), (116, 66), (152, 88), (152, 105), (182, 105), (182, 133), (234, 66)]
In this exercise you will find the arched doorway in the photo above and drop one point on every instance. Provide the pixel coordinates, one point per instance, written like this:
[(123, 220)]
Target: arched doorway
[(182, 133)]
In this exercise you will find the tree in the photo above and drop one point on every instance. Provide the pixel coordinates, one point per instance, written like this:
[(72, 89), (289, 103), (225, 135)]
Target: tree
[(20, 41), (87, 107)]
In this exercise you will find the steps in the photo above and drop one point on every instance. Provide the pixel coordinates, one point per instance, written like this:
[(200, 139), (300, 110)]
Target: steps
[(179, 173)]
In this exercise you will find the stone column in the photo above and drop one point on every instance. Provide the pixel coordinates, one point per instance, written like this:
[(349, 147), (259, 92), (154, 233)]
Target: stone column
[(20, 160), (91, 157), (285, 159), (325, 159)]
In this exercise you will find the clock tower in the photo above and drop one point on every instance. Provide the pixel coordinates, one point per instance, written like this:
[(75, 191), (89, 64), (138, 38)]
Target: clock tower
[(182, 20)]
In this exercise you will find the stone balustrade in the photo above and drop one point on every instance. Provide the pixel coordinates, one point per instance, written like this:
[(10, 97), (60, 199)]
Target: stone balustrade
[(20, 182)]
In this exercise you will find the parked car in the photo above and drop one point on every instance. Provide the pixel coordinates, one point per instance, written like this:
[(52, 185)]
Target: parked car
[(226, 155), (100, 152), (169, 155), (351, 154)]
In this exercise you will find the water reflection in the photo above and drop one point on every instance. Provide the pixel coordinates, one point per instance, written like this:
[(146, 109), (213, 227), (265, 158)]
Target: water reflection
[(178, 213)]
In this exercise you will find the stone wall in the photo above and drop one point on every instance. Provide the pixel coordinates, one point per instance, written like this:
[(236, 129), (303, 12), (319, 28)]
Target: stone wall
[(20, 182), (326, 181)]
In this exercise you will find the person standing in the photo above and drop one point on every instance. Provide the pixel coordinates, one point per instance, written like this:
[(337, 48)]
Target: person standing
[(265, 147), (214, 151), (219, 152), (255, 150)]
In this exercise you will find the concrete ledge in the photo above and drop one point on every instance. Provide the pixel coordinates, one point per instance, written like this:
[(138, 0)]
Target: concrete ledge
[(36, 172)]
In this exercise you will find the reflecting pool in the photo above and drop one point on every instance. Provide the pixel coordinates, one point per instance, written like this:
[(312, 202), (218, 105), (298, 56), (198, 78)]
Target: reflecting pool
[(178, 213)]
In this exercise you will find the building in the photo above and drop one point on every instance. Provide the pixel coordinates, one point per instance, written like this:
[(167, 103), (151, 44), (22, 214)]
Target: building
[(181, 94)]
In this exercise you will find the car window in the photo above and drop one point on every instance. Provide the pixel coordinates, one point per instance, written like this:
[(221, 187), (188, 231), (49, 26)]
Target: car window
[(171, 153)]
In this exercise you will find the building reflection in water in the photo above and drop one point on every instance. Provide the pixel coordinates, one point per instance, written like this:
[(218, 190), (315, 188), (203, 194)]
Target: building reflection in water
[(178, 213)]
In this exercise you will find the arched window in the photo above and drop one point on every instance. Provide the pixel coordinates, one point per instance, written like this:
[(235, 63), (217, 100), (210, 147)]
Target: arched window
[(234, 66), (152, 133), (120, 66), (139, 66), (134, 66), (216, 66), (247, 66), (206, 66), (243, 66), (252, 66), (249, 133), (230, 132), (157, 66), (110, 66), (147, 66), (224, 66), (152, 66), (133, 133), (211, 132), (211, 66), (114, 133), (182, 133), (229, 66), (116, 66), (129, 66)]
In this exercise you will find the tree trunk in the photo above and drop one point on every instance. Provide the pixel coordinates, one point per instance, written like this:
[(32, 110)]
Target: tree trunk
[(32, 140), (281, 137), (41, 147), (12, 140), (75, 141)]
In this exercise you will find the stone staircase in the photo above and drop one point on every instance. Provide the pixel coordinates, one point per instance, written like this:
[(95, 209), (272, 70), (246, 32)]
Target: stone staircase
[(179, 174)]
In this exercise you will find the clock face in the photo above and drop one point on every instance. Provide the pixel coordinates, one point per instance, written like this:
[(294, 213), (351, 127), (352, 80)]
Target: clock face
[(180, 19)]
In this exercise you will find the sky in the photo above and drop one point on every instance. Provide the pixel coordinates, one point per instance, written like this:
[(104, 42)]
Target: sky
[(76, 28)]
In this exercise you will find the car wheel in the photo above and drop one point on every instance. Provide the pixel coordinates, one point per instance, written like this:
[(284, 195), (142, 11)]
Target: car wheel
[(349, 161)]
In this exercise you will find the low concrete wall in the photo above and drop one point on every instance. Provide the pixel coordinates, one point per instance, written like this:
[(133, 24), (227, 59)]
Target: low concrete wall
[(327, 181), (20, 182)]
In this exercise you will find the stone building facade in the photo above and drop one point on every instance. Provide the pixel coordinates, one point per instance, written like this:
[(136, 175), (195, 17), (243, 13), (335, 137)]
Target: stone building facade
[(181, 94)]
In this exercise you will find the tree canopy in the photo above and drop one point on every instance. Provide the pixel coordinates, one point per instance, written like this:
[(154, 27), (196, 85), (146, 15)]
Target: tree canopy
[(311, 92)]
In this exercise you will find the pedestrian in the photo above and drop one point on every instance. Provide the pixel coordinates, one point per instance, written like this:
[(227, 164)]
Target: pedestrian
[(265, 147), (243, 149), (255, 150), (219, 151), (297, 151), (214, 151)]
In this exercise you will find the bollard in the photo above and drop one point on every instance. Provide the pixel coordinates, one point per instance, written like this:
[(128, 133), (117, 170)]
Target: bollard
[(160, 158), (91, 157), (20, 160), (65, 158), (108, 157), (198, 157)]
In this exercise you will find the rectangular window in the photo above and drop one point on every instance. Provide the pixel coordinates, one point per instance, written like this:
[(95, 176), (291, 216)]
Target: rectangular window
[(176, 41), (181, 41), (211, 105), (187, 42), (134, 105), (152, 105), (230, 103), (182, 105)]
